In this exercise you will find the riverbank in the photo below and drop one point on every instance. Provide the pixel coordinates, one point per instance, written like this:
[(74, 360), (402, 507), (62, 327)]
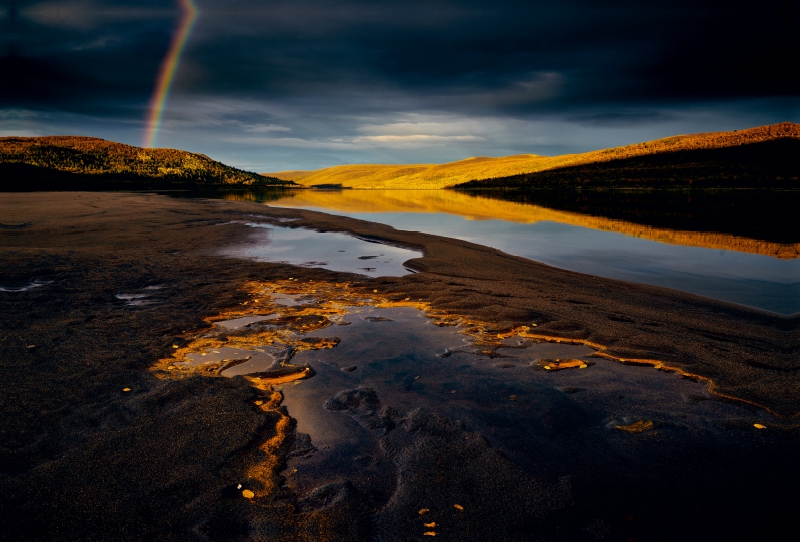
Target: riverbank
[(84, 459)]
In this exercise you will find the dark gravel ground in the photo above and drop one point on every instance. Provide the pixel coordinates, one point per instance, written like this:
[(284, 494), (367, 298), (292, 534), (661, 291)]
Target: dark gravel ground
[(80, 459)]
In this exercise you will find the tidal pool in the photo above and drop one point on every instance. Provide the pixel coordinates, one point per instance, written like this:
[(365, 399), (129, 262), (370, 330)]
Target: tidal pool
[(334, 251), (506, 395)]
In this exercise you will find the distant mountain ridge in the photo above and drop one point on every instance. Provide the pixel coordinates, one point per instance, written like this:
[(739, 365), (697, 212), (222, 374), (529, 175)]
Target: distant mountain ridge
[(74, 162), (504, 171)]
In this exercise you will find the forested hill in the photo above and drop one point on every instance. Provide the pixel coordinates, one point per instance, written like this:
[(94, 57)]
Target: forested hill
[(764, 157), (88, 163)]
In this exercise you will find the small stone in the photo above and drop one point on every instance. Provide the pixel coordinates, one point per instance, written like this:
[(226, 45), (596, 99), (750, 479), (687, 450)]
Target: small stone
[(349, 369), (175, 346), (547, 367), (126, 389), (247, 494), (759, 426), (239, 486), (458, 507), (583, 366), (259, 403)]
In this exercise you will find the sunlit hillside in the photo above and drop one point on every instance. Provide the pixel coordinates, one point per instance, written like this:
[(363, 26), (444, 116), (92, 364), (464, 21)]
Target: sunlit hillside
[(416, 175), (445, 175), (474, 207), (63, 162)]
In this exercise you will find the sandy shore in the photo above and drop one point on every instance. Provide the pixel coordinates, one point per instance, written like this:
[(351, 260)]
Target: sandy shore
[(82, 459)]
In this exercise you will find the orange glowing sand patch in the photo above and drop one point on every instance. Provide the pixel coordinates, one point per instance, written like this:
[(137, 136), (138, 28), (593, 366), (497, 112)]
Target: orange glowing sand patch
[(263, 381), (639, 426), (561, 364)]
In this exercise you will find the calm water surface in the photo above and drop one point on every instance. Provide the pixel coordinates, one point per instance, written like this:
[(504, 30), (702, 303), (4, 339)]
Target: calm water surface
[(739, 247), (334, 251)]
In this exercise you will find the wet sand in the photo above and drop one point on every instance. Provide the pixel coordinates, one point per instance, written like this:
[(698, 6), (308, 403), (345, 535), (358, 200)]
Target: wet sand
[(80, 458)]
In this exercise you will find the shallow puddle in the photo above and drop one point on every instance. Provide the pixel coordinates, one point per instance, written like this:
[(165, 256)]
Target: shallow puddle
[(288, 300), (30, 286), (508, 394), (334, 251), (244, 321), (140, 298)]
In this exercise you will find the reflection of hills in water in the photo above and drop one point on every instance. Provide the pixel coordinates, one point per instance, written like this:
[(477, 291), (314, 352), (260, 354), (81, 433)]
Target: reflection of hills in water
[(756, 222)]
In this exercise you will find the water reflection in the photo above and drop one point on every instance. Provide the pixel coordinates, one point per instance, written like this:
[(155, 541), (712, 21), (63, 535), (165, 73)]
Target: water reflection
[(334, 251), (737, 246), (746, 221)]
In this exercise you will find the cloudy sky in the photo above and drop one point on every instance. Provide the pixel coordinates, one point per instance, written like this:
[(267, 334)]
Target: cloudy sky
[(269, 85)]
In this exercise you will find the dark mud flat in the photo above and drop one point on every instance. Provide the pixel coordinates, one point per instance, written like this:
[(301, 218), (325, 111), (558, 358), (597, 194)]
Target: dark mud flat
[(82, 459)]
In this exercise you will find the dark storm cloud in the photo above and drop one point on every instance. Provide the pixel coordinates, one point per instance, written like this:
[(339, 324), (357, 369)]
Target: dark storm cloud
[(502, 54), (490, 53), (82, 55)]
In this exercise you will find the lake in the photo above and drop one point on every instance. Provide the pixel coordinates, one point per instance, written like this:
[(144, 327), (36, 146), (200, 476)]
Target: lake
[(737, 246)]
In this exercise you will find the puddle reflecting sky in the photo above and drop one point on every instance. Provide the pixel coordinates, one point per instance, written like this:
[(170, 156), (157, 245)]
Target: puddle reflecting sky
[(334, 251)]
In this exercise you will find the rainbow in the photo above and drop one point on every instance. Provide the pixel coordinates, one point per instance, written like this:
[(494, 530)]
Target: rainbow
[(166, 73)]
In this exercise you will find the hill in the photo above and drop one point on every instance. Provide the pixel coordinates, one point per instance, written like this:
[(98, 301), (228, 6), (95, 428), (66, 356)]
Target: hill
[(414, 175), (500, 169), (766, 164), (87, 163)]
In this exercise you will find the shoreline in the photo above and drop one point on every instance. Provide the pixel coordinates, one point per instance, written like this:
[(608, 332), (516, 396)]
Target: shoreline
[(82, 458)]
